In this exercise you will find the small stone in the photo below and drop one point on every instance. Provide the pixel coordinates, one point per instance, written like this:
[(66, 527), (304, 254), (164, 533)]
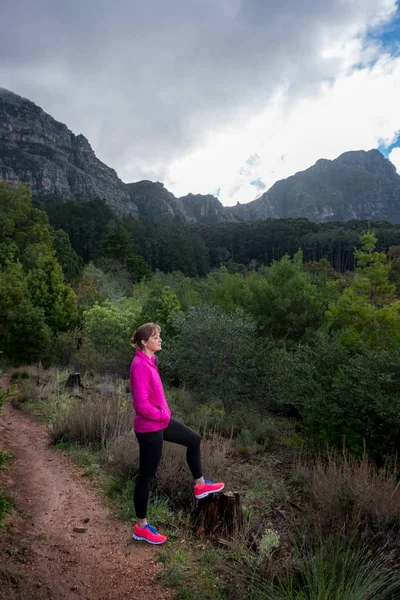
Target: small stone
[(86, 520), (80, 529)]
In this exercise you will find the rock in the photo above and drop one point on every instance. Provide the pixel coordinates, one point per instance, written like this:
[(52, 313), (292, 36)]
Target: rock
[(55, 163), (38, 150), (80, 529), (356, 185)]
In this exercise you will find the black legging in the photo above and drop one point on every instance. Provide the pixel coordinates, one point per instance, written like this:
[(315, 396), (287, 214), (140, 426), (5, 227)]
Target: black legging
[(150, 446)]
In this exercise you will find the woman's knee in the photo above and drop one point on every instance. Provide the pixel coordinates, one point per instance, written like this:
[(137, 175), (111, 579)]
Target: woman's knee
[(196, 439)]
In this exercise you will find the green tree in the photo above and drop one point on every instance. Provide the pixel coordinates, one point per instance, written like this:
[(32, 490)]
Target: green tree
[(24, 334), (222, 289), (367, 313), (71, 263), (343, 396), (34, 300), (108, 329), (219, 356), (283, 300), (119, 245), (162, 306)]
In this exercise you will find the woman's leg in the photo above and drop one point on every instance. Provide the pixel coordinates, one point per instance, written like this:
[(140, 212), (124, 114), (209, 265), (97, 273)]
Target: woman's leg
[(180, 434), (150, 451)]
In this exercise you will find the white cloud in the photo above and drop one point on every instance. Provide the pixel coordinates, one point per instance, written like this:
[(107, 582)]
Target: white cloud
[(394, 157), (185, 92), (358, 111)]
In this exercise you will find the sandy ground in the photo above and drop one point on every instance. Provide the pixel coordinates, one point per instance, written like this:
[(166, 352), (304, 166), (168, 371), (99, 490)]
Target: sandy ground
[(40, 547)]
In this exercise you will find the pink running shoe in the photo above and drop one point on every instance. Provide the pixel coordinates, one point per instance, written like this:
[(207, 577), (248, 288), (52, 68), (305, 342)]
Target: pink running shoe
[(209, 487), (148, 534)]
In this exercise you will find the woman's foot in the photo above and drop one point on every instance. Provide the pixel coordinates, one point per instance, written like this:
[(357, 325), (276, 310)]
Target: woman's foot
[(207, 488), (147, 533)]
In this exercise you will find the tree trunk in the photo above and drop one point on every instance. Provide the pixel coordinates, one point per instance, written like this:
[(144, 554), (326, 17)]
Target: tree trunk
[(73, 381), (218, 515)]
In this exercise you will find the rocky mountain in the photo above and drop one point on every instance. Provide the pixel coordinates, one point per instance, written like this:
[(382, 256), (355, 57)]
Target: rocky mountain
[(154, 201), (45, 154), (356, 185), (38, 150)]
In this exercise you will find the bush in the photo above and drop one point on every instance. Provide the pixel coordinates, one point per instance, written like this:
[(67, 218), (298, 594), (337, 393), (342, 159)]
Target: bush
[(218, 355), (350, 494), (335, 568), (107, 331), (342, 396)]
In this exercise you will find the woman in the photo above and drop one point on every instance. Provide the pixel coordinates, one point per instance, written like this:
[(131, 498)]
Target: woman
[(153, 425)]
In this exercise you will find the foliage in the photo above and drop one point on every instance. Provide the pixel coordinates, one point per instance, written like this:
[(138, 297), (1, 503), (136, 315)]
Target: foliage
[(162, 307), (283, 300), (85, 222), (35, 302), (109, 328), (105, 280), (342, 396), (366, 313), (70, 262), (184, 288), (119, 245), (209, 338), (223, 289)]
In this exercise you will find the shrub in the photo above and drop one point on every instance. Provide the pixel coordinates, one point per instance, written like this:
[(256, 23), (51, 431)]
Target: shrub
[(346, 493), (342, 396), (218, 355), (334, 569)]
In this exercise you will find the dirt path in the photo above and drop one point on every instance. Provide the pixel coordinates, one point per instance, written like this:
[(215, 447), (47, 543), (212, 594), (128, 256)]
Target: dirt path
[(52, 498)]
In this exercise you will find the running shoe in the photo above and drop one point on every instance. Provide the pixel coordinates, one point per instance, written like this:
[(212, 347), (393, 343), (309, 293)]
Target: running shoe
[(209, 487), (148, 534)]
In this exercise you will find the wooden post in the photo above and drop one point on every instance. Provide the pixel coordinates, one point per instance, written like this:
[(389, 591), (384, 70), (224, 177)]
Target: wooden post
[(218, 515)]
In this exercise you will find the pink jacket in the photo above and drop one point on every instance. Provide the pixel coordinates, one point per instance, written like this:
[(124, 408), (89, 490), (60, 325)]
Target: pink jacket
[(149, 402)]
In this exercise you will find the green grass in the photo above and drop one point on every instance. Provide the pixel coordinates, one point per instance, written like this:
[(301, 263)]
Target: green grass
[(194, 570)]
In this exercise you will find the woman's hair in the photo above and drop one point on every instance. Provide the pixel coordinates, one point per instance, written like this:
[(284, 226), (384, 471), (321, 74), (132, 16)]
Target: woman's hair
[(143, 333)]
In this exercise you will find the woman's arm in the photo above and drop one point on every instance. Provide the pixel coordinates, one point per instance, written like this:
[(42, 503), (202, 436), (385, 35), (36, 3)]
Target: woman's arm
[(140, 386)]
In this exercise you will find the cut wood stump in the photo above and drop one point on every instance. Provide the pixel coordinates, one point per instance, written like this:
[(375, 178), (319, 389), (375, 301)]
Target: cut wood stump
[(218, 515), (73, 381)]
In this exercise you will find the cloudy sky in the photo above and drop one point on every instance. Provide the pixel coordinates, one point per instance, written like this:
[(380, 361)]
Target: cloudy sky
[(211, 96)]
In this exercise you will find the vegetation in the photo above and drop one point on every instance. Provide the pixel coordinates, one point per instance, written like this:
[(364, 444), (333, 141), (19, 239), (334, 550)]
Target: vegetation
[(285, 360), (5, 502)]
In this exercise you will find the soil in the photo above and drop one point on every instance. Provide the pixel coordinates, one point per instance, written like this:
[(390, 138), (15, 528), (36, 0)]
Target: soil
[(61, 541)]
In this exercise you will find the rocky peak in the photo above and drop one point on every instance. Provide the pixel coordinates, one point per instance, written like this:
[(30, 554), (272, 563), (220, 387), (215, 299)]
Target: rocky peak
[(356, 185), (44, 153), (206, 208), (371, 161)]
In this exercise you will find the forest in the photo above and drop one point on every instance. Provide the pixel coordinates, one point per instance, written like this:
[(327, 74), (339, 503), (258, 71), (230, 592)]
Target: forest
[(281, 345)]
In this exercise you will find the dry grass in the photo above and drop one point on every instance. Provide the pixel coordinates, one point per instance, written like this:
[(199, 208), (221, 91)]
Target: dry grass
[(93, 420), (346, 491)]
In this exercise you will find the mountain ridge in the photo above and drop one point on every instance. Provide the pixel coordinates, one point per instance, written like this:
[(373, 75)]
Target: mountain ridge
[(37, 149)]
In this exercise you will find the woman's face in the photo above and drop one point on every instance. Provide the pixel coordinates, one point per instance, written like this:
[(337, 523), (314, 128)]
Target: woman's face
[(153, 343)]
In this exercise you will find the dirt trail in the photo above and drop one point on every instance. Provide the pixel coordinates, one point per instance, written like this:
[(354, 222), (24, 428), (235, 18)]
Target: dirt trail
[(52, 498)]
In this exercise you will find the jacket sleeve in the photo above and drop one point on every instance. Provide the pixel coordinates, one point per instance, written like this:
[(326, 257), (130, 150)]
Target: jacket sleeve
[(140, 386)]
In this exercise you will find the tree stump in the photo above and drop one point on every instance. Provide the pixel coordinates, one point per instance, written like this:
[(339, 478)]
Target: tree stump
[(218, 515), (73, 381)]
